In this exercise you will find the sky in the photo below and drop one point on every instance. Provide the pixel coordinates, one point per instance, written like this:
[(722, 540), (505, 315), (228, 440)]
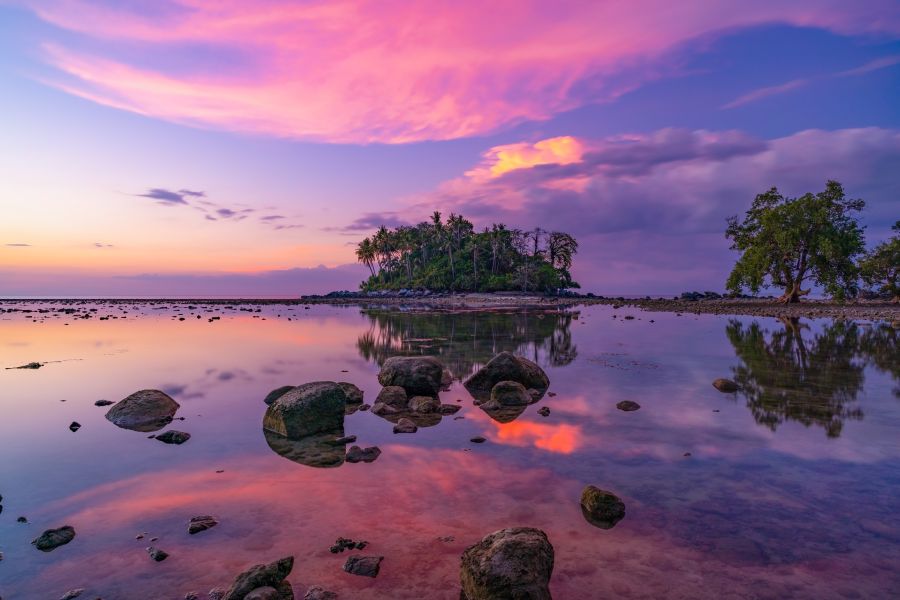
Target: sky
[(233, 148)]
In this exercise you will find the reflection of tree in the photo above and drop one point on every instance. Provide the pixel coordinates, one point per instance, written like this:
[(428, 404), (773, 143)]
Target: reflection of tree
[(785, 377), (463, 341), (880, 345)]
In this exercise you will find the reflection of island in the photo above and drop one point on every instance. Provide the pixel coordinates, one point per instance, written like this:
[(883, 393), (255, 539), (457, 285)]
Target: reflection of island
[(464, 341), (785, 376), (880, 344)]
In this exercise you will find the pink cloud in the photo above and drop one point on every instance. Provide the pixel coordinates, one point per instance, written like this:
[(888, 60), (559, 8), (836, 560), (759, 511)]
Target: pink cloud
[(390, 71)]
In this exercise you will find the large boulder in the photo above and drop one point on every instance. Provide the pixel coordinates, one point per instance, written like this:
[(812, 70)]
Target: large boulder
[(510, 564), (507, 367), (146, 410), (54, 538), (307, 409), (260, 576), (601, 508), (418, 375), (510, 393)]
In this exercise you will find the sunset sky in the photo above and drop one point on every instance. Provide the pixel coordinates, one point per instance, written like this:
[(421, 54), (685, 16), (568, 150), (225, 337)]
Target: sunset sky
[(229, 147)]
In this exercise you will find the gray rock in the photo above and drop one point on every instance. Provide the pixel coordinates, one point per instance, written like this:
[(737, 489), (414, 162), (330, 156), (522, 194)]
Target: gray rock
[(507, 367), (510, 393), (263, 593), (357, 454), (628, 405), (418, 375), (405, 426), (424, 404), (510, 564), (601, 508), (354, 394), (382, 410), (725, 385), (145, 410), (277, 393), (71, 594), (365, 566), (544, 411), (174, 437), (54, 538), (257, 576), (306, 410), (449, 409), (201, 523), (319, 593), (216, 593), (102, 402), (478, 439), (157, 554), (393, 396)]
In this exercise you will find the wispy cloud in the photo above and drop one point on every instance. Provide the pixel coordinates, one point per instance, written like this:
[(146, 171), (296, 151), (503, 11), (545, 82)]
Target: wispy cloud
[(774, 90), (17, 245), (168, 197), (372, 220), (102, 245)]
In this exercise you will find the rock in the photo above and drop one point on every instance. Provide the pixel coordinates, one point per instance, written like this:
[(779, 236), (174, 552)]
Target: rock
[(382, 410), (424, 404), (502, 414), (510, 564), (263, 593), (157, 554), (174, 437), (478, 440), (601, 508), (354, 394), (54, 538), (192, 596), (343, 441), (418, 375), (216, 593), (146, 410), (343, 543), (506, 367), (201, 523), (71, 594), (319, 593), (257, 576), (510, 393), (393, 396), (74, 426), (449, 409), (277, 393), (544, 411), (446, 379), (357, 454), (725, 385), (102, 402), (628, 405), (366, 566), (306, 410), (405, 426), (319, 450)]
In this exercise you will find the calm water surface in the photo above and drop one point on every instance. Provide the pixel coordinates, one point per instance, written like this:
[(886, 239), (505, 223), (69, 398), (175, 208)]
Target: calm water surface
[(789, 490)]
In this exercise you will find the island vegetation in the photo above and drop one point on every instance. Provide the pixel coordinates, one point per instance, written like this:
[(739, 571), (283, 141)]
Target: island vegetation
[(451, 255)]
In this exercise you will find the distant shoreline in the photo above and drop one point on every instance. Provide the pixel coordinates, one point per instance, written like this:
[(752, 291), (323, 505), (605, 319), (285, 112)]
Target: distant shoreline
[(764, 307)]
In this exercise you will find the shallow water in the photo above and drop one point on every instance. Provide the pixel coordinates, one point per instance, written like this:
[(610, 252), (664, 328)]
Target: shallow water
[(790, 488)]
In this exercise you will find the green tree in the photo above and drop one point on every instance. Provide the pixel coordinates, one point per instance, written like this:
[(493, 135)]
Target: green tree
[(880, 268), (787, 241)]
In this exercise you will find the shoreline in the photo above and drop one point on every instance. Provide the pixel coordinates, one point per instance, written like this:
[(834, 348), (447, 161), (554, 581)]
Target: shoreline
[(876, 310)]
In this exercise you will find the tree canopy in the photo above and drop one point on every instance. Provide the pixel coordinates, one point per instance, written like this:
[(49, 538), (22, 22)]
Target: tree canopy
[(880, 268), (451, 255), (787, 241)]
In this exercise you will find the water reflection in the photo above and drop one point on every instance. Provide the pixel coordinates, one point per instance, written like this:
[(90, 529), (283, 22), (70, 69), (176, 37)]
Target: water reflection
[(321, 450), (463, 341), (812, 377)]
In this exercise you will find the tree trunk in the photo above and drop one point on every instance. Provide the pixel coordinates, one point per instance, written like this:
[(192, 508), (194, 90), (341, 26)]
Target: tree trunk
[(792, 294)]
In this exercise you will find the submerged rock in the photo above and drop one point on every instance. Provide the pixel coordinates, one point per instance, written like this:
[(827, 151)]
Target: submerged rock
[(418, 375), (601, 508), (54, 538), (306, 410), (725, 385), (174, 437), (628, 405), (510, 564), (357, 454), (319, 593), (258, 576), (145, 410), (318, 451), (201, 523), (365, 566), (507, 367), (510, 393), (157, 554), (405, 426), (449, 409)]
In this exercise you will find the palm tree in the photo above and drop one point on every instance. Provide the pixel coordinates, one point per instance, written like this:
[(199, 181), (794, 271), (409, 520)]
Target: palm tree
[(561, 247), (365, 253)]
